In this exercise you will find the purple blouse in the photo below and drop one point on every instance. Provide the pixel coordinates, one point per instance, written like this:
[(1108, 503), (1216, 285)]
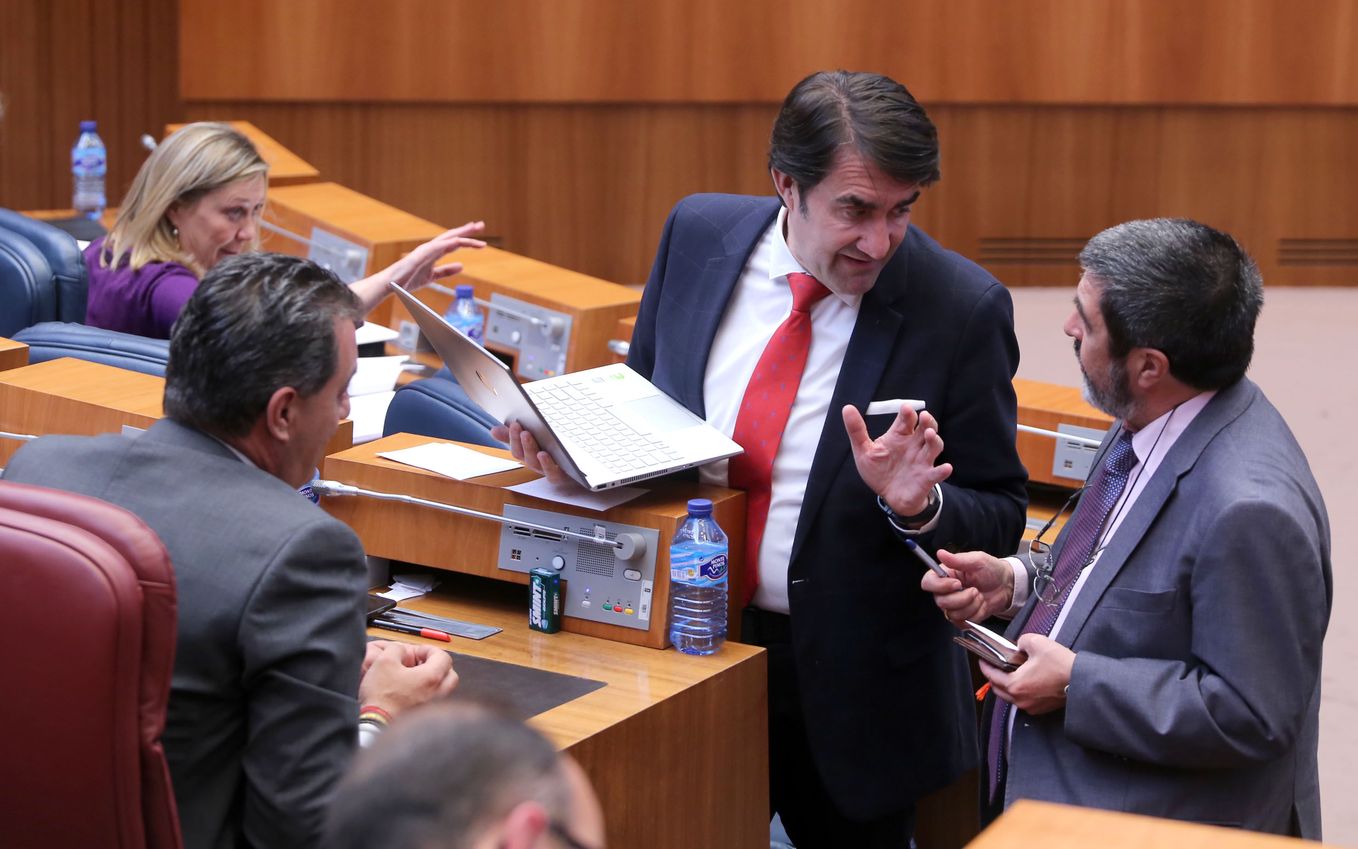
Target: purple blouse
[(145, 302)]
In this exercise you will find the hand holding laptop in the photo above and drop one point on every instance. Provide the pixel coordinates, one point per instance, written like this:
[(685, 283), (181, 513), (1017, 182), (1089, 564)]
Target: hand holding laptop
[(527, 451)]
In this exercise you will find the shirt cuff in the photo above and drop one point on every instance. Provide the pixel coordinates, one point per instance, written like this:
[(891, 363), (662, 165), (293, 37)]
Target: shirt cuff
[(368, 732), (1020, 588), (913, 532)]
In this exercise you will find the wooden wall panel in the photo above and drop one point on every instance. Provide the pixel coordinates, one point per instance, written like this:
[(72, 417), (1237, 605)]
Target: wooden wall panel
[(588, 186), (717, 51), (63, 61)]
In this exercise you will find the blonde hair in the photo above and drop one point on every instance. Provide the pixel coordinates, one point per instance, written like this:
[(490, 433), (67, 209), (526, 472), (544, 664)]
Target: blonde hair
[(192, 161)]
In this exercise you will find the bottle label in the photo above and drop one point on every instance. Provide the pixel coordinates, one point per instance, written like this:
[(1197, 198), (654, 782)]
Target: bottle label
[(701, 571)]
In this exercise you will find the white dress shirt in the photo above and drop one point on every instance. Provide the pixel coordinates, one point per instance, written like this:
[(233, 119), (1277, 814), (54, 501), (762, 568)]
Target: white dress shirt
[(762, 300)]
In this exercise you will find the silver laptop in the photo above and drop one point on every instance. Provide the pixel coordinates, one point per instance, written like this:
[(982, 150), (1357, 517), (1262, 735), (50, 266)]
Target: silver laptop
[(605, 426)]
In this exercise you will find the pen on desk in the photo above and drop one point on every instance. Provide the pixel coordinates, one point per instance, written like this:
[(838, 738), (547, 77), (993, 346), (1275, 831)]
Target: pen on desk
[(926, 559), (427, 633)]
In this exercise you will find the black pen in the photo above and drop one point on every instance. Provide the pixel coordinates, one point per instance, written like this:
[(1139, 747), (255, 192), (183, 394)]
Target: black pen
[(427, 633)]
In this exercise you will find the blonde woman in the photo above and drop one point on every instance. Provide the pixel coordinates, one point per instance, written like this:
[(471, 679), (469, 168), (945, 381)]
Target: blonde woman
[(196, 200)]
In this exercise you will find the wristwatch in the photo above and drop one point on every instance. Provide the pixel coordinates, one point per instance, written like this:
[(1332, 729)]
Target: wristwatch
[(923, 517)]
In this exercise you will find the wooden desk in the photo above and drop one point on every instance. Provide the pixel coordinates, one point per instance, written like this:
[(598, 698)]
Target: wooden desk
[(1048, 405), (1050, 826), (80, 397), (12, 354), (594, 306), (676, 746), (285, 167), (384, 231), (420, 535)]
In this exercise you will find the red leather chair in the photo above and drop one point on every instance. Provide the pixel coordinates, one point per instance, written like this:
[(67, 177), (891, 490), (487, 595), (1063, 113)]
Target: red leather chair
[(88, 597)]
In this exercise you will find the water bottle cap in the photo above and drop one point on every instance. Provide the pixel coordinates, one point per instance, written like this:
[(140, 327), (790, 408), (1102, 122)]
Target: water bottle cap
[(464, 290), (87, 126), (700, 507)]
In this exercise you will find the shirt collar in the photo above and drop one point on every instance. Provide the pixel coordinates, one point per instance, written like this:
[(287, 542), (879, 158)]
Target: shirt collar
[(1167, 428), (782, 262)]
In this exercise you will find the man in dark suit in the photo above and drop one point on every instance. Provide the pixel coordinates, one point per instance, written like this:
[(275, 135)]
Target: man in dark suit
[(1174, 633), (270, 666), (869, 700)]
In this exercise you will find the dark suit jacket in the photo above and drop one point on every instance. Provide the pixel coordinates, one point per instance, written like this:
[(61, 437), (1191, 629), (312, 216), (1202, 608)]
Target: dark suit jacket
[(262, 714), (1196, 688), (886, 694)]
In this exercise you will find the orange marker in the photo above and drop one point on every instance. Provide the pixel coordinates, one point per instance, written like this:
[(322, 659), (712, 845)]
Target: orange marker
[(981, 693)]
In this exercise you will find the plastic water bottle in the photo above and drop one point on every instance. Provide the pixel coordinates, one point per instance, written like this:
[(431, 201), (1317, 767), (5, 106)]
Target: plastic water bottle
[(89, 164), (464, 315), (698, 565)]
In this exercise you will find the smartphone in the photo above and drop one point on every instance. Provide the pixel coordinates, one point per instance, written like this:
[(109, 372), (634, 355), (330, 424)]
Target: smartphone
[(990, 647), (378, 605)]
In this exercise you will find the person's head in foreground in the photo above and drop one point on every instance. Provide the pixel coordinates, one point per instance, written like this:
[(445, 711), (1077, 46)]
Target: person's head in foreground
[(459, 775)]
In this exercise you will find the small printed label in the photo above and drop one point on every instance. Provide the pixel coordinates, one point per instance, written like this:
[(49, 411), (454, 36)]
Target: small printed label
[(701, 573)]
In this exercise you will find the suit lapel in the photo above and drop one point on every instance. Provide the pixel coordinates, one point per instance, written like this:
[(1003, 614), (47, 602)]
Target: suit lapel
[(870, 349), (1220, 411), (709, 296)]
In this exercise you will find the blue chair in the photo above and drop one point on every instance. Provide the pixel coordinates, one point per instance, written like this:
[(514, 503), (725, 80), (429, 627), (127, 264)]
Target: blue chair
[(50, 340), (438, 407), (28, 294), (67, 264)]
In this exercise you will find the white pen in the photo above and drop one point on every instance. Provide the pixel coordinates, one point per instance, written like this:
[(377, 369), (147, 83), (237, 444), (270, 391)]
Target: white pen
[(924, 556), (893, 406)]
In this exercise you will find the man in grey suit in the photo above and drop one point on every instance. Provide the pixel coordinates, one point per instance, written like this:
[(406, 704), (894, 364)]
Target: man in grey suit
[(1174, 632), (270, 666)]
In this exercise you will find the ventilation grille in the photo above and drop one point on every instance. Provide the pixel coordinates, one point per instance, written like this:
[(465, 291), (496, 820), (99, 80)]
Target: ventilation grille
[(1031, 251), (593, 558), (1313, 253)]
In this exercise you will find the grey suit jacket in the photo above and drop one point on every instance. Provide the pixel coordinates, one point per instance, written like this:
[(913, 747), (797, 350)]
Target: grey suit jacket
[(1196, 688), (262, 707)]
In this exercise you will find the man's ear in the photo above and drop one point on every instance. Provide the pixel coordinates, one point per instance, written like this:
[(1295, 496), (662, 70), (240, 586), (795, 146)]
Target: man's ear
[(1147, 367), (280, 413), (785, 186), (524, 825)]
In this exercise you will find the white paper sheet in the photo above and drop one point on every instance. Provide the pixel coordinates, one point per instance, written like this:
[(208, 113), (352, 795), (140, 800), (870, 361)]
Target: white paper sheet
[(376, 374), (370, 333), (369, 413), (578, 496), (450, 460)]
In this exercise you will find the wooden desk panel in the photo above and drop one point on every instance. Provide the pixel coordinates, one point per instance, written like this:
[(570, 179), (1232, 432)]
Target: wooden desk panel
[(12, 354), (1030, 823), (666, 727), (285, 167), (81, 397)]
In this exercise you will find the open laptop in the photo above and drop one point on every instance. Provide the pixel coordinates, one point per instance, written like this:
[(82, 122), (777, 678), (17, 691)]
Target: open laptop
[(605, 426)]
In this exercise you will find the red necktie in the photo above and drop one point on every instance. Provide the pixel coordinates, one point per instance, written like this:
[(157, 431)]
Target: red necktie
[(763, 415)]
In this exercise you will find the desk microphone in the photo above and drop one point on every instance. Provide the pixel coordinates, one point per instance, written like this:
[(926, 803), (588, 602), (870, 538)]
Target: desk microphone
[(628, 545), (22, 437), (1063, 437)]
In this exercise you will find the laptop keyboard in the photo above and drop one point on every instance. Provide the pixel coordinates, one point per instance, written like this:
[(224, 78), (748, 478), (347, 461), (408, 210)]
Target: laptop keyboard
[(576, 413)]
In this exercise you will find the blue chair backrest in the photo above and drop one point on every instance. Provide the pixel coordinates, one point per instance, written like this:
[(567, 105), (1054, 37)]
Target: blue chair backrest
[(50, 340), (63, 257), (27, 291), (439, 407)]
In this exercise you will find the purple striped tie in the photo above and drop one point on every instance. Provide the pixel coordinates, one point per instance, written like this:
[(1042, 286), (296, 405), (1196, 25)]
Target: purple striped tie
[(1076, 551)]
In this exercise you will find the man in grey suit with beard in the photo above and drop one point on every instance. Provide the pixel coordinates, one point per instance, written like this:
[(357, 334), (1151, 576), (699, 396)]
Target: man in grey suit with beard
[(270, 662), (1174, 631)]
